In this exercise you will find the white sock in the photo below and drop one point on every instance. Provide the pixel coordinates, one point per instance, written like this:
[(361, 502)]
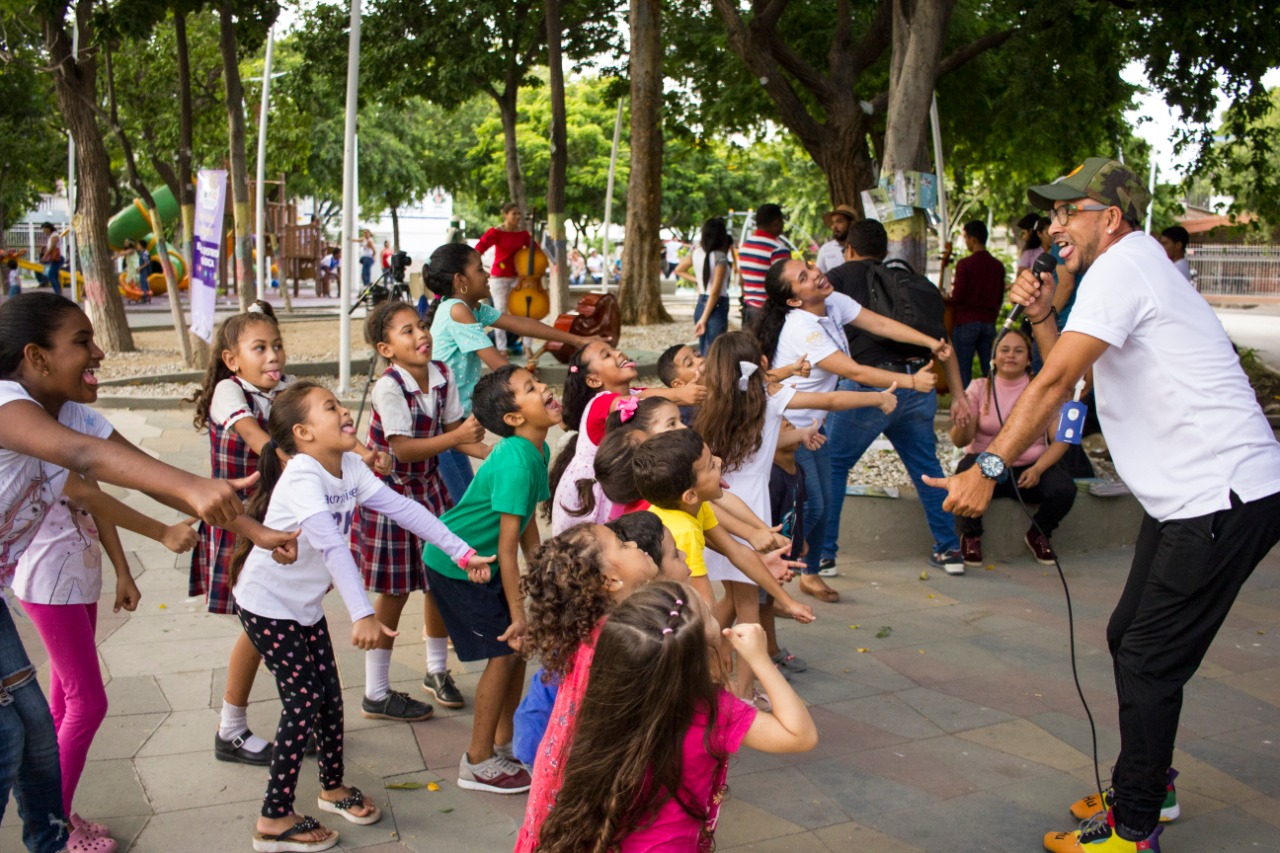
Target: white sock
[(235, 722), (437, 653), (377, 673)]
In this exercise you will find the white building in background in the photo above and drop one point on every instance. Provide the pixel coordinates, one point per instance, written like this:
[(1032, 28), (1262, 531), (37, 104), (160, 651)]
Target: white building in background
[(25, 234)]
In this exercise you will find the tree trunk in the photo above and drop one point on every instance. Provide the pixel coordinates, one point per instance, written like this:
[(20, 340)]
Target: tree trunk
[(640, 292), (919, 29), (395, 228), (556, 178), (75, 84), (157, 227), (507, 109), (183, 191), (844, 158), (240, 206)]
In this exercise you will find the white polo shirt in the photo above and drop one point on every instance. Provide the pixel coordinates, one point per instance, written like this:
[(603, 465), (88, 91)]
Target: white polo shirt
[(1182, 422), (817, 337)]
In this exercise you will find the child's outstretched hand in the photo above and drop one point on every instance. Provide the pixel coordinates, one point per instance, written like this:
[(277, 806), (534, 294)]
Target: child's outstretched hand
[(924, 380), (477, 568), (179, 538), (802, 368), (782, 569), (889, 399), (748, 640), (469, 431), (366, 632), (802, 613), (764, 539), (382, 463), (127, 594), (813, 437), (514, 635), (689, 395)]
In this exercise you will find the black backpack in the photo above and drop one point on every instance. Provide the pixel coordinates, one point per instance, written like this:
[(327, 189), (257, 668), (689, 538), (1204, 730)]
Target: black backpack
[(900, 293)]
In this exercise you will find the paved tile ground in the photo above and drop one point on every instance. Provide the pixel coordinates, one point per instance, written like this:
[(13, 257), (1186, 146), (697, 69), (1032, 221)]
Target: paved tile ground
[(958, 731)]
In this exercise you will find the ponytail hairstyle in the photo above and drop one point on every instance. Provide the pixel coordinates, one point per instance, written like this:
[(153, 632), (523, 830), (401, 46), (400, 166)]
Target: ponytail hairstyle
[(289, 409), (30, 318), (643, 417), (651, 674), (564, 596), (731, 419), (991, 380), (446, 261), (773, 314), (614, 466), (225, 339)]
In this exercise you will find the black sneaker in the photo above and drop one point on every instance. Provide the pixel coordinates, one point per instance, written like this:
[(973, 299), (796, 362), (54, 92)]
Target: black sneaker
[(441, 686), (395, 706), (235, 751), (827, 568), (950, 562)]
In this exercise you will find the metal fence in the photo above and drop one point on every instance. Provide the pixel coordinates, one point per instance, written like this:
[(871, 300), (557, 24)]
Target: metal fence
[(1236, 272), (27, 237)]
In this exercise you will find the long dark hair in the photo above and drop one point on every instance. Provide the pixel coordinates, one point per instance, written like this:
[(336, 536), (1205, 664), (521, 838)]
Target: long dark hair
[(30, 318), (445, 262), (731, 420), (226, 338), (626, 759), (773, 314), (289, 409), (564, 596), (991, 381)]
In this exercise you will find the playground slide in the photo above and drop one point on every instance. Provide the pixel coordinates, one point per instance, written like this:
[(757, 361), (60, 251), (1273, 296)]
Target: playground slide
[(133, 223)]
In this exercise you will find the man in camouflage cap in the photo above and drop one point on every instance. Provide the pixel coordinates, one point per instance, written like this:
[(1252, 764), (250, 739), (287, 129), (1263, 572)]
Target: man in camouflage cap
[(1188, 438)]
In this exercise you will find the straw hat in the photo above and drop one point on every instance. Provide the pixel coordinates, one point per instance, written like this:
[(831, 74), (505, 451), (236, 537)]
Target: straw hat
[(842, 210)]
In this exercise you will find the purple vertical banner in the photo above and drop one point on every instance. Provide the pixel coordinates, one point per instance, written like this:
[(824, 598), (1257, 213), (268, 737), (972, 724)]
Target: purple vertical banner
[(211, 199)]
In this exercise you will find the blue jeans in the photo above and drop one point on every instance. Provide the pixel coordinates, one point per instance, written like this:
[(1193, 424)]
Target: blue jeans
[(28, 749), (366, 271), (970, 338), (455, 470), (717, 321), (51, 270), (910, 429), (817, 498)]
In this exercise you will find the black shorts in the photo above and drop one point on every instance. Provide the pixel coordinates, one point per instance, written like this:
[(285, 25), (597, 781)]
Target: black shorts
[(475, 614)]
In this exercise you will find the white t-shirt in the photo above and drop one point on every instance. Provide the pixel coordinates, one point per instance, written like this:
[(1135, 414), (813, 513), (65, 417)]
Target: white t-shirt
[(1183, 266), (230, 400), (1182, 422), (309, 497), (830, 256), (718, 259), (673, 251), (28, 486), (392, 407), (63, 564), (817, 337), (15, 278)]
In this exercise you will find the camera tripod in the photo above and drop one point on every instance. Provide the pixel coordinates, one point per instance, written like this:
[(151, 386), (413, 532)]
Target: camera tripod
[(386, 287)]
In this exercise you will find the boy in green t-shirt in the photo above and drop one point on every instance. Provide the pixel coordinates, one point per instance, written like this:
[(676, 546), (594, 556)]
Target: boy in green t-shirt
[(484, 612)]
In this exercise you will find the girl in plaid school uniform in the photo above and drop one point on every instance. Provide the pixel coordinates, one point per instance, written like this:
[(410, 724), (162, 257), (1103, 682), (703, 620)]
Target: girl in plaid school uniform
[(246, 371), (417, 415)]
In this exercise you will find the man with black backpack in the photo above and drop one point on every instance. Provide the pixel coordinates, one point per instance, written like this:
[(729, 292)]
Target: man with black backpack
[(896, 291)]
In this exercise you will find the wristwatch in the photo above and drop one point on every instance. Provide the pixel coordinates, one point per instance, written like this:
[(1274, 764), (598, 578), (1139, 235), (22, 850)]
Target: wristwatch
[(992, 467)]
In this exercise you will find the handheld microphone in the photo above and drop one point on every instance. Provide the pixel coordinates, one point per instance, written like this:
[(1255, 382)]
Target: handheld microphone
[(1045, 263)]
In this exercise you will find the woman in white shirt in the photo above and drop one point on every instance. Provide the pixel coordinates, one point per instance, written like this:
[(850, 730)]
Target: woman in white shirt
[(803, 316)]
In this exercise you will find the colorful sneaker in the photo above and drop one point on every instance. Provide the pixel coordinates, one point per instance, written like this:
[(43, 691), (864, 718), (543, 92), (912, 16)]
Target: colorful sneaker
[(1040, 548), (395, 706), (1098, 835), (971, 550), (1090, 805), (949, 561), (496, 775), (441, 686), (789, 662)]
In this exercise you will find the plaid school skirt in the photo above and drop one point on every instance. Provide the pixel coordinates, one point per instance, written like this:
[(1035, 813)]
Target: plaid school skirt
[(390, 557), (210, 568)]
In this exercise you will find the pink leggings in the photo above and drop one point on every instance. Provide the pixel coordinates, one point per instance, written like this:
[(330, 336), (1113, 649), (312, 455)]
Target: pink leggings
[(76, 695)]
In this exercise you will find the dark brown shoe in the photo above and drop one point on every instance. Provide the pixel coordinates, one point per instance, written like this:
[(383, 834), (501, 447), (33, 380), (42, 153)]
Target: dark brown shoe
[(1040, 547)]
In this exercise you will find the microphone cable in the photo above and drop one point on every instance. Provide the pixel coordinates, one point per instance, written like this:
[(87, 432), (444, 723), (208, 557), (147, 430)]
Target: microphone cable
[(1066, 591)]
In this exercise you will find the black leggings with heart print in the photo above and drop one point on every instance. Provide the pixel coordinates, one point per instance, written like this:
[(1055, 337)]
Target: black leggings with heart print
[(301, 659)]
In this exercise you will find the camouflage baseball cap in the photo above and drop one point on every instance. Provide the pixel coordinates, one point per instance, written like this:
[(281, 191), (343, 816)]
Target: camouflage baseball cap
[(1103, 180)]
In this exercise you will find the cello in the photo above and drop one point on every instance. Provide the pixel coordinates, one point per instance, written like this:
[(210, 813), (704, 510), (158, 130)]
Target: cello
[(530, 297), (597, 315)]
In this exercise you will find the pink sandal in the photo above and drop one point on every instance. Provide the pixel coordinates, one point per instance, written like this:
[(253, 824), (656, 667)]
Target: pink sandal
[(82, 842), (90, 826)]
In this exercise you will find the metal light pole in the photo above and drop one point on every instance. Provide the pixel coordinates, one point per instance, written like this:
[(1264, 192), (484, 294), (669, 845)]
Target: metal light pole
[(944, 226), (71, 181), (608, 195), (348, 200)]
